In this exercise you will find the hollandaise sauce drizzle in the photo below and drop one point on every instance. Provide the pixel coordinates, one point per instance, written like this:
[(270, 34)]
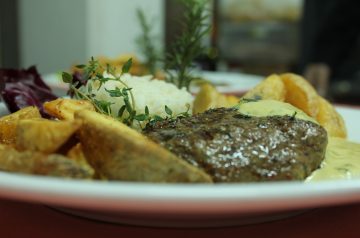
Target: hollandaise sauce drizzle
[(342, 161)]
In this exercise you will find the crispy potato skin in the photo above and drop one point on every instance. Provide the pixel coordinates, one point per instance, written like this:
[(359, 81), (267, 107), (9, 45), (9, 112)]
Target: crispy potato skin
[(301, 94), (30, 162), (117, 152), (296, 90), (137, 67), (208, 97), (8, 124), (64, 108), (43, 135), (272, 88), (76, 153), (330, 119)]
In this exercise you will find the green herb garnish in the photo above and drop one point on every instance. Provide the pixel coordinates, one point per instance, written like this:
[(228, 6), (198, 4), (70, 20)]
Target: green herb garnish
[(145, 43), (246, 100), (168, 111), (242, 116), (67, 78), (127, 113), (188, 46), (93, 76), (243, 101)]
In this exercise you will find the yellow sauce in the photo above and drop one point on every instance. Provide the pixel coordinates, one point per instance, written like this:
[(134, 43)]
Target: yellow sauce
[(263, 108), (342, 159)]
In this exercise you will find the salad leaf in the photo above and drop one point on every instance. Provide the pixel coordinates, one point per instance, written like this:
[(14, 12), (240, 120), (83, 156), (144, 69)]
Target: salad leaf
[(24, 87)]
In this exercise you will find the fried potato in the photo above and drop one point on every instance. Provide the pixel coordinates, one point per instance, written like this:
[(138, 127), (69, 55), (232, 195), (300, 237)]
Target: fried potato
[(231, 100), (76, 153), (64, 109), (301, 94), (43, 135), (137, 67), (208, 97), (8, 123), (30, 162), (330, 119), (117, 152), (272, 88)]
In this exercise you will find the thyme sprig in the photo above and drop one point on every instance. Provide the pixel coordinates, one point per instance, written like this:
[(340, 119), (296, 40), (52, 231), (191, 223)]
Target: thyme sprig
[(94, 78), (293, 116), (245, 100), (189, 45)]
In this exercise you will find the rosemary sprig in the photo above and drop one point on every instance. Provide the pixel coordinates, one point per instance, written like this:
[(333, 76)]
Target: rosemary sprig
[(145, 43), (188, 46)]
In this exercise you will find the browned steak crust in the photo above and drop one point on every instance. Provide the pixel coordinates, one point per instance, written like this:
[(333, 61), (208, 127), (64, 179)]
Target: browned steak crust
[(233, 147)]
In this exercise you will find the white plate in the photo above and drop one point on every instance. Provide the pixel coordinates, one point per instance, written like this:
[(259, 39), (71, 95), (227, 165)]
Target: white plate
[(226, 82), (232, 82), (178, 205), (184, 205)]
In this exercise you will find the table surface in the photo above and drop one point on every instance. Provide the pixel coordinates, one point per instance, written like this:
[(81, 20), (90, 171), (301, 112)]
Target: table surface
[(19, 219)]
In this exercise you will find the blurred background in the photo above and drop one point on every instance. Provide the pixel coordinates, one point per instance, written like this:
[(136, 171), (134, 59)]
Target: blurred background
[(319, 39)]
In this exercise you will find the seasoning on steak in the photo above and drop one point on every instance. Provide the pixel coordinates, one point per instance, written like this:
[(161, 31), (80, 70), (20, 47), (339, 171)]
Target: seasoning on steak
[(233, 147)]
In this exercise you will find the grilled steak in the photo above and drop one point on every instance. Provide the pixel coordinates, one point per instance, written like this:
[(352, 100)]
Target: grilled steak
[(232, 147)]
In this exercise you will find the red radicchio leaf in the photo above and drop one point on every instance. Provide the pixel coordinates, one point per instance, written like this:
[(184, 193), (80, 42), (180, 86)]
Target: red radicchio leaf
[(22, 88)]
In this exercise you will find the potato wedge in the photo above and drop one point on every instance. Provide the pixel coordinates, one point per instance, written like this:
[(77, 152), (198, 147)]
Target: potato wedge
[(301, 94), (330, 119), (76, 153), (231, 100), (43, 135), (30, 162), (205, 99), (117, 152), (64, 108), (208, 97), (8, 123), (271, 88)]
